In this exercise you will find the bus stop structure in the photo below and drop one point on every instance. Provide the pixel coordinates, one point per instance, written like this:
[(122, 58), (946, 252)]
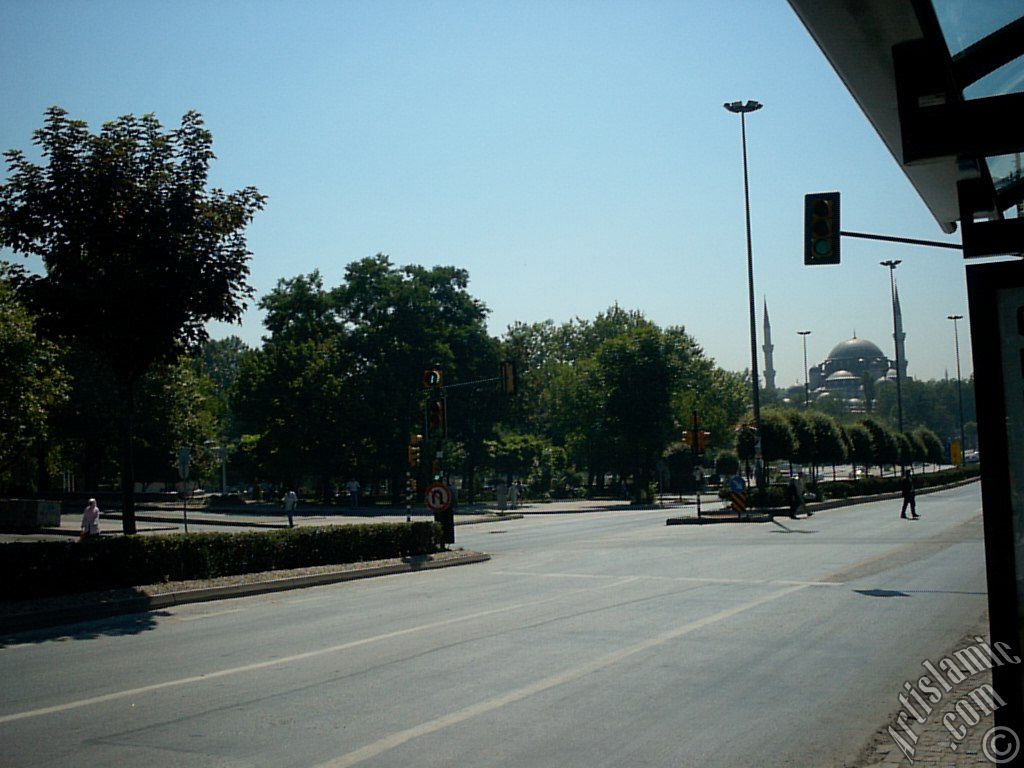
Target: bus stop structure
[(942, 83)]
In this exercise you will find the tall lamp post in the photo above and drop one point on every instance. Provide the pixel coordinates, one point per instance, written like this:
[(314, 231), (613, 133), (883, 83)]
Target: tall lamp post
[(807, 385), (891, 264), (959, 392), (742, 109)]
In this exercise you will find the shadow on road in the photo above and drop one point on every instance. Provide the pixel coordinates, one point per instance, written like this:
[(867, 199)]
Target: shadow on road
[(786, 529), (77, 617), (881, 593)]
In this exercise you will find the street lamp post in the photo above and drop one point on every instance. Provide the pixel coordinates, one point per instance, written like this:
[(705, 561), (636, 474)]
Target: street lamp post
[(959, 392), (891, 264), (742, 109), (807, 386)]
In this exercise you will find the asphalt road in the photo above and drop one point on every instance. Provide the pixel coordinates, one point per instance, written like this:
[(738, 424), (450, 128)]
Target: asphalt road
[(605, 639)]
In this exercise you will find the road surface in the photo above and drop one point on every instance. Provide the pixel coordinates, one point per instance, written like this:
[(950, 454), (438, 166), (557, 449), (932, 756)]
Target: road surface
[(605, 639)]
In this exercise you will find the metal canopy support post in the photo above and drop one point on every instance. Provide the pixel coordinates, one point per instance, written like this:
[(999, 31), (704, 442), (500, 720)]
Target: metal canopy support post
[(995, 294)]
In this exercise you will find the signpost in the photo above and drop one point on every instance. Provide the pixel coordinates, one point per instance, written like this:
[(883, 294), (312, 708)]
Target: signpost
[(184, 455), (737, 494), (439, 501)]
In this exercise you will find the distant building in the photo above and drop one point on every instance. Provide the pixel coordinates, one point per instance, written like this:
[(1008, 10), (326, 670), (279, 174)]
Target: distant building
[(842, 374)]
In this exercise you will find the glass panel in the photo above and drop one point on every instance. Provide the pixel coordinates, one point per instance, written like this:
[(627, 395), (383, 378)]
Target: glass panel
[(1009, 78), (965, 22), (1005, 169)]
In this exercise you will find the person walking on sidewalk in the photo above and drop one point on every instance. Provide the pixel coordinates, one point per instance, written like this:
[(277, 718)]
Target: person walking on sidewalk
[(290, 501), (907, 488), (90, 520)]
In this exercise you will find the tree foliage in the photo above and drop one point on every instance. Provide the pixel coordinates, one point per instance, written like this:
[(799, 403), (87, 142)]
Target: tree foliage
[(32, 383), (138, 254)]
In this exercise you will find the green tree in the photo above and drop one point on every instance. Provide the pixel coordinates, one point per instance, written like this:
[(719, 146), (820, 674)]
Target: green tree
[(862, 446), (933, 450), (138, 254), (830, 447), (805, 448), (637, 378), (884, 442), (32, 384), (399, 322)]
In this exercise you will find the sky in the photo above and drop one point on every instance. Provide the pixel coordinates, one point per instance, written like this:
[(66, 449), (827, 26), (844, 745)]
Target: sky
[(570, 155)]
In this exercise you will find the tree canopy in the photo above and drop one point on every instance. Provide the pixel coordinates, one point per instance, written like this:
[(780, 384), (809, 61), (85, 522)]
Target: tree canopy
[(138, 254)]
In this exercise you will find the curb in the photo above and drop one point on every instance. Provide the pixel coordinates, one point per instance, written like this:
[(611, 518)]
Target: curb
[(143, 603)]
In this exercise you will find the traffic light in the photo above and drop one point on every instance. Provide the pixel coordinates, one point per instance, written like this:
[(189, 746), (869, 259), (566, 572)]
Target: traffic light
[(703, 440), (688, 438), (436, 418), (509, 381), (821, 228), (414, 450), (432, 378)]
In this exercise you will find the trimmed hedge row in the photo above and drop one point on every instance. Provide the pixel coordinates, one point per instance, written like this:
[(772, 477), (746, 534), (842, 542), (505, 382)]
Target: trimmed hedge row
[(775, 495), (40, 569)]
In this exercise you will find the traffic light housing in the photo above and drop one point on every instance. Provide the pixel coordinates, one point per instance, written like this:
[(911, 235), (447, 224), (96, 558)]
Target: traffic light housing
[(432, 378), (509, 381), (703, 440), (437, 426), (414, 450), (821, 228)]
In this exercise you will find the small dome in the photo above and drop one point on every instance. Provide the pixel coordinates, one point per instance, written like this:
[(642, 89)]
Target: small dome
[(841, 376), (855, 349)]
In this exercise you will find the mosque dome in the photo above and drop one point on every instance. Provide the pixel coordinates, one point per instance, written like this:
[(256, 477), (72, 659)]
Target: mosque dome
[(856, 349), (841, 375)]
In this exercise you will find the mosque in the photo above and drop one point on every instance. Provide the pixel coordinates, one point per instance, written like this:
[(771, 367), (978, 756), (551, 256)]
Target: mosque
[(843, 374)]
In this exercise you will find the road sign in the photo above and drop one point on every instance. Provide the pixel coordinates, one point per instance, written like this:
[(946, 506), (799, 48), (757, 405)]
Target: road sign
[(737, 484), (184, 455), (438, 497)]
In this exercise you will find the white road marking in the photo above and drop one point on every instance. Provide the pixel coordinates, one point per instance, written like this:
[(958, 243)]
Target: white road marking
[(270, 663), (398, 738), (199, 616), (695, 579)]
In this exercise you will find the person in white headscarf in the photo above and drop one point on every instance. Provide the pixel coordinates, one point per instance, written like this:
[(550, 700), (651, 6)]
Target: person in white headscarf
[(91, 520)]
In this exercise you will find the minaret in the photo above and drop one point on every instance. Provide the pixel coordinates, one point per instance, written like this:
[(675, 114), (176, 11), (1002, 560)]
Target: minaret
[(768, 347), (899, 336)]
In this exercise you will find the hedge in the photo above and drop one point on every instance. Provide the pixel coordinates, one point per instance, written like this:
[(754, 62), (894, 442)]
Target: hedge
[(40, 569), (775, 495)]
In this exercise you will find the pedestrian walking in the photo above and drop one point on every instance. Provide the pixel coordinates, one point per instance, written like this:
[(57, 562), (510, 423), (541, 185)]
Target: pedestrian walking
[(513, 495), (353, 492), (907, 488), (290, 501), (795, 496), (90, 520)]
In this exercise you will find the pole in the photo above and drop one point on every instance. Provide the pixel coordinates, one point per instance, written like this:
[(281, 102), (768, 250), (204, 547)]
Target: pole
[(959, 391), (807, 385), (742, 109), (755, 376), (891, 264)]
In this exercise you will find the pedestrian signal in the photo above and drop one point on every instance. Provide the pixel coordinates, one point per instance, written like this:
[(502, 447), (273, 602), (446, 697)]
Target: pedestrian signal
[(821, 228)]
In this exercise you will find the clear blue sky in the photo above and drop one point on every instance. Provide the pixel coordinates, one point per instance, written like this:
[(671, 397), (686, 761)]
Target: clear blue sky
[(570, 155)]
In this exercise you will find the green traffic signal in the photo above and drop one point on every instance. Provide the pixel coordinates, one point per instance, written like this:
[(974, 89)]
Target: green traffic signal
[(821, 228)]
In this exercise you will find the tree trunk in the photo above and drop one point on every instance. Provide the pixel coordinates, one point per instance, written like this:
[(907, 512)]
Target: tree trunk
[(127, 457)]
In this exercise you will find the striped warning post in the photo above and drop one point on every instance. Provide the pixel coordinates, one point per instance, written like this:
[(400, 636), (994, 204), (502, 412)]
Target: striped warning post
[(738, 502)]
